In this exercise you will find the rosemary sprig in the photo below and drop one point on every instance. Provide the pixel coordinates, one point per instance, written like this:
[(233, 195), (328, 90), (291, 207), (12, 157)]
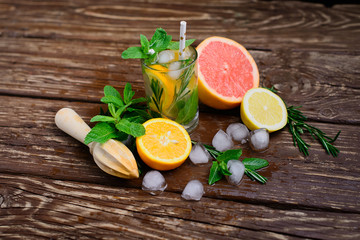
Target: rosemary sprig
[(297, 126), (158, 92)]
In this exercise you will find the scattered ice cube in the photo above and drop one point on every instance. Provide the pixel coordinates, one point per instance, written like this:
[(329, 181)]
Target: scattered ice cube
[(237, 170), (174, 71), (259, 139), (238, 131), (199, 154), (166, 56), (194, 190), (222, 141), (154, 182)]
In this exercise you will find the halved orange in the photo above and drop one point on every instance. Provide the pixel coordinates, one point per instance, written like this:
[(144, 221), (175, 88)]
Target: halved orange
[(166, 144), (226, 72)]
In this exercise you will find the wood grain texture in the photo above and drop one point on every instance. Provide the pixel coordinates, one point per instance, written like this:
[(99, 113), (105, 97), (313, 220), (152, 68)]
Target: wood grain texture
[(98, 211), (51, 153), (56, 54), (321, 82)]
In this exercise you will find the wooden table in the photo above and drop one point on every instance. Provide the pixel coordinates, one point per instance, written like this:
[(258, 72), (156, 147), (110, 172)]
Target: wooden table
[(56, 54)]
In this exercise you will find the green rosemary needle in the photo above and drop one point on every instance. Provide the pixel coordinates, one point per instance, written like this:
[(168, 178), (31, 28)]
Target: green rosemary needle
[(297, 126)]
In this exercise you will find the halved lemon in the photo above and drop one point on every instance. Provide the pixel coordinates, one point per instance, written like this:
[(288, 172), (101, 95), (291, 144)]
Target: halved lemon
[(159, 73), (166, 144), (262, 108)]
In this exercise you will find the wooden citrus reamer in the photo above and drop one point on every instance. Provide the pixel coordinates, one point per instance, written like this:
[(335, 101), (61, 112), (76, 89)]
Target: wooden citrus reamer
[(113, 157)]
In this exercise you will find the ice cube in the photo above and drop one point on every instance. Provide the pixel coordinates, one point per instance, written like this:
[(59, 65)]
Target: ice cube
[(259, 139), (174, 71), (237, 170), (222, 141), (189, 53), (238, 131), (154, 182), (199, 154), (166, 56), (194, 190)]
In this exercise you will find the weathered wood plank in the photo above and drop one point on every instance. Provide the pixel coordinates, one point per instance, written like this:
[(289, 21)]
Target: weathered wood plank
[(261, 24), (35, 206), (322, 82), (30, 143)]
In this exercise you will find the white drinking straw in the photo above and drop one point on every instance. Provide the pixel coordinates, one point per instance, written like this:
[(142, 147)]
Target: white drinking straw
[(182, 39)]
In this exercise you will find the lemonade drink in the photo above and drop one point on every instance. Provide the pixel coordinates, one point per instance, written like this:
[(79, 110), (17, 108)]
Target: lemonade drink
[(171, 84)]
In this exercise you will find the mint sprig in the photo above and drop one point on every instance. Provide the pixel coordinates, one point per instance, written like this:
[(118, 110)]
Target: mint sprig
[(160, 41), (219, 167), (125, 116)]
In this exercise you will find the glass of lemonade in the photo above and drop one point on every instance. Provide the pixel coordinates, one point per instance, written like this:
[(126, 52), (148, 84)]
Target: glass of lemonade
[(172, 86)]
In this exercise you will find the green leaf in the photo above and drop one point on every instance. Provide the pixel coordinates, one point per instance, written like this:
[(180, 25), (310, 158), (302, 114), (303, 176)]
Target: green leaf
[(134, 129), (112, 109), (224, 168), (128, 93), (233, 154), (111, 91), (101, 133), (255, 176), (139, 100), (141, 113), (174, 45), (102, 118), (155, 114), (120, 111), (160, 40), (215, 173), (112, 99), (188, 108), (144, 44), (255, 163), (133, 52)]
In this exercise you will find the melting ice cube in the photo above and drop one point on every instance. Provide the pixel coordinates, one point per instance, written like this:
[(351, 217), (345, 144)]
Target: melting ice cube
[(194, 190), (222, 141), (174, 71), (237, 170), (259, 139), (166, 56), (154, 182), (238, 131), (199, 154)]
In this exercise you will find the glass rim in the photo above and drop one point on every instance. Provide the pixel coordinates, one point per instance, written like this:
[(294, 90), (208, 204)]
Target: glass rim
[(167, 70)]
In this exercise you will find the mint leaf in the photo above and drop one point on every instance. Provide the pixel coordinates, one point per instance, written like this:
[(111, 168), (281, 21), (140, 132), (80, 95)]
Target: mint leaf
[(255, 163), (144, 44), (224, 168), (174, 45), (112, 99), (133, 52), (215, 173), (233, 154), (101, 133), (139, 100), (128, 93), (111, 91), (160, 40), (134, 129), (102, 118)]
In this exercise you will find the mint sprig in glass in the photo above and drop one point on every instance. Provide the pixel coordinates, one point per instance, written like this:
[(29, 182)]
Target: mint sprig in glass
[(170, 76)]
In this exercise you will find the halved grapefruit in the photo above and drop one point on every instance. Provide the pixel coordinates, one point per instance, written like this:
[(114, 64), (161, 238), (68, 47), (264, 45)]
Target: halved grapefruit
[(226, 72)]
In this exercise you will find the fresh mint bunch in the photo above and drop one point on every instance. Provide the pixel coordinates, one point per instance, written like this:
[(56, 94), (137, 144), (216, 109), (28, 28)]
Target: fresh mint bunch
[(219, 166), (160, 41), (125, 117)]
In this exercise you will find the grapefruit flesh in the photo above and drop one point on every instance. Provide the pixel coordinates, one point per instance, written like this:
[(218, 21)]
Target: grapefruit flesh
[(226, 72)]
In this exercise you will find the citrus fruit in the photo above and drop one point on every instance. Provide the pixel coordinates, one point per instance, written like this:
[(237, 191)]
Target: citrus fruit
[(166, 144), (226, 72), (159, 74), (261, 108)]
